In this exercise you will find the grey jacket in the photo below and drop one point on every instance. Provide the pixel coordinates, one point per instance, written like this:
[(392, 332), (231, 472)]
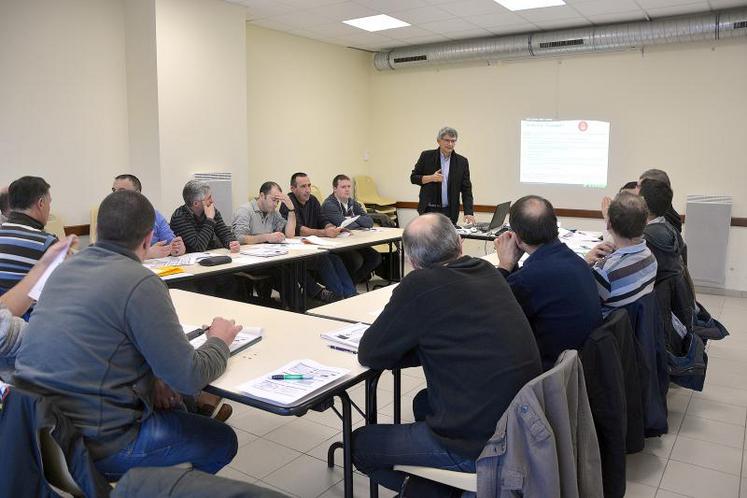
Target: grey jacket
[(11, 334), (332, 212), (103, 329), (545, 443)]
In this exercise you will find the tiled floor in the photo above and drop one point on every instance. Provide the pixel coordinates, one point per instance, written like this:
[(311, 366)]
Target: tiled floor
[(702, 456)]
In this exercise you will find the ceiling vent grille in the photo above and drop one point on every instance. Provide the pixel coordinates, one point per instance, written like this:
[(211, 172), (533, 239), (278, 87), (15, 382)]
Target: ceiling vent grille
[(562, 43)]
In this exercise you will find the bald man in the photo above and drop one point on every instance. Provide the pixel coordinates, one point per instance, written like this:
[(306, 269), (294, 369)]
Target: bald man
[(456, 316), (555, 287)]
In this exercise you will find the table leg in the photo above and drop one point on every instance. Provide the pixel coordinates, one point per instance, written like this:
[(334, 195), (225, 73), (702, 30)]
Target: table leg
[(347, 449), (397, 374), (371, 418)]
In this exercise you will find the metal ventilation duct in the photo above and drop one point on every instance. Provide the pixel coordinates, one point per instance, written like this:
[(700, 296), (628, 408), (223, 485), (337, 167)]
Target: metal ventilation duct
[(700, 27)]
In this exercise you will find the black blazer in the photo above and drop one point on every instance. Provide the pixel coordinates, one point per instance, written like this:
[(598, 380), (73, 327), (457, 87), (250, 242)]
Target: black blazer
[(430, 193)]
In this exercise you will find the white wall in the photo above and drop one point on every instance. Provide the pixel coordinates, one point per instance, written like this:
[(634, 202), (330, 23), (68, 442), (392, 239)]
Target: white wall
[(63, 98), (308, 109), (201, 95)]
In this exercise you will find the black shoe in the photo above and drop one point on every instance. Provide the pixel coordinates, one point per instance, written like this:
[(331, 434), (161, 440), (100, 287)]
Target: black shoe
[(327, 296)]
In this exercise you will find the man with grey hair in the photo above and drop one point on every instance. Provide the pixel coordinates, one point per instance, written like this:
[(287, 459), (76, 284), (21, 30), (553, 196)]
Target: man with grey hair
[(442, 175), (199, 223), (456, 316)]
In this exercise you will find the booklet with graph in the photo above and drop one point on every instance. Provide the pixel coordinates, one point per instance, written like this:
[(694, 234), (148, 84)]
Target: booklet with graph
[(245, 338), (348, 337), (288, 391)]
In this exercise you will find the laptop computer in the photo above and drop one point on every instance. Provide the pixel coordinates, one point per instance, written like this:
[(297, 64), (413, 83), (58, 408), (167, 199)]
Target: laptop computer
[(499, 216)]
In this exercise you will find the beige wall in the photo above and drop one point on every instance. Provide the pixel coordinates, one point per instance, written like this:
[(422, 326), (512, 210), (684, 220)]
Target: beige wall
[(308, 109), (201, 94), (678, 108), (63, 98)]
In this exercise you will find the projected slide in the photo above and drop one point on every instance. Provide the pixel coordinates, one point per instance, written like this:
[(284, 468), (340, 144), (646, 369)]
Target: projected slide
[(567, 152)]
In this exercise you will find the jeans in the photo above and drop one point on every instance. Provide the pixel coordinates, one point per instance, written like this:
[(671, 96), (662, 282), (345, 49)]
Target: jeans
[(377, 448), (172, 437), (334, 275)]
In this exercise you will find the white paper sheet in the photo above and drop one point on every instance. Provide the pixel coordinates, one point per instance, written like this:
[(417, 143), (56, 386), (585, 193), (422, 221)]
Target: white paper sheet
[(36, 290), (348, 336)]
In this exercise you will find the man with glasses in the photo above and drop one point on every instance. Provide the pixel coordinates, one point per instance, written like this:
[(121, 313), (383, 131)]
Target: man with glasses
[(442, 175)]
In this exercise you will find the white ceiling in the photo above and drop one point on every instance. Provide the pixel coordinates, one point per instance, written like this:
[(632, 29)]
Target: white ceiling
[(442, 20)]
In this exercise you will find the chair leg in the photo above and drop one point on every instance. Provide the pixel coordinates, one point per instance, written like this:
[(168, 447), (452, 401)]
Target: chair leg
[(403, 487)]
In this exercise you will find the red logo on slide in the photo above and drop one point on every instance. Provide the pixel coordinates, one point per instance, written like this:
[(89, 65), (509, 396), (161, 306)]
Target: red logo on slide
[(583, 126)]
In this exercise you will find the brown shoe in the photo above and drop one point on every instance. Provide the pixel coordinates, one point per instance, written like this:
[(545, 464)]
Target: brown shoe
[(224, 412)]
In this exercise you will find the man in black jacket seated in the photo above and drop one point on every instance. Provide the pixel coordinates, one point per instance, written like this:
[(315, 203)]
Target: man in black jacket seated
[(456, 316)]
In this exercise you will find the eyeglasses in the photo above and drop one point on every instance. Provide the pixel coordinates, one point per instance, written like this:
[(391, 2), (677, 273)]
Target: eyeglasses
[(449, 140)]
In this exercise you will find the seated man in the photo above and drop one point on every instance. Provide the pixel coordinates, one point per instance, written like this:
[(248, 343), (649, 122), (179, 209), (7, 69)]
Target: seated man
[(199, 223), (103, 330), (625, 269), (456, 316), (330, 267), (555, 286), (671, 215), (164, 242), (15, 303), (259, 221), (662, 238), (23, 240), (336, 208)]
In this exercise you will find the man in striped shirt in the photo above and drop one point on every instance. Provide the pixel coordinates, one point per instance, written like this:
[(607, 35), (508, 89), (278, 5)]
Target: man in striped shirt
[(625, 270), (23, 240)]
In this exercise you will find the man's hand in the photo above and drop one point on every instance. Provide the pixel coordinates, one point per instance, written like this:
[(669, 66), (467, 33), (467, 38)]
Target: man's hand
[(436, 177), (507, 250), (165, 398), (223, 329), (177, 247), (605, 207), (234, 246), (284, 199), (275, 237), (158, 250), (599, 251), (332, 231), (209, 209), (469, 219), (56, 248)]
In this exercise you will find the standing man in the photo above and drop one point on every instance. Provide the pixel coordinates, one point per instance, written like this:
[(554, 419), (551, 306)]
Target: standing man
[(23, 240), (340, 206), (456, 316), (330, 267), (442, 174), (164, 242)]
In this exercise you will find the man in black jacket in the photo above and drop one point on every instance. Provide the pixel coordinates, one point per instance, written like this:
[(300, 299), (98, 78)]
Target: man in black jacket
[(456, 316), (442, 174)]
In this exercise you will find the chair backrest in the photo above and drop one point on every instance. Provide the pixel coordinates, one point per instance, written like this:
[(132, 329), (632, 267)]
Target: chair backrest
[(317, 193), (56, 226), (367, 193), (55, 466), (93, 224)]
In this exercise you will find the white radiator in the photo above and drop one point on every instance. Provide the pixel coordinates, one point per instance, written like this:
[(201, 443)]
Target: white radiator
[(221, 185), (707, 222)]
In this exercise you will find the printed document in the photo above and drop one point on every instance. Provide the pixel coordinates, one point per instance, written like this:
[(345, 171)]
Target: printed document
[(347, 337), (289, 392), (36, 290)]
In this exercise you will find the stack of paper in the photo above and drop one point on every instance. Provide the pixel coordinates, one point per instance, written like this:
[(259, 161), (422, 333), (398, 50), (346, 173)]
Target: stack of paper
[(265, 250), (348, 337), (245, 338), (348, 221), (313, 239), (289, 392), (184, 260), (167, 271)]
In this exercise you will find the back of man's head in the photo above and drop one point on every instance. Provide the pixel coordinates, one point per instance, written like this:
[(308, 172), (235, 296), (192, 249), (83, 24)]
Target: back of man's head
[(431, 240), (24, 192), (4, 201), (533, 219), (658, 196), (125, 218), (628, 215), (656, 174)]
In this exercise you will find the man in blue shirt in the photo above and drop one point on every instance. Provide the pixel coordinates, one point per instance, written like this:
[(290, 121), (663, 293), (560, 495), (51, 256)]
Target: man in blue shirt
[(555, 287), (164, 242)]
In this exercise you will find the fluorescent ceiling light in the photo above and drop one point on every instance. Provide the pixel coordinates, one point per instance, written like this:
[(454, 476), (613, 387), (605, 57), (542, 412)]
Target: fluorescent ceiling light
[(529, 4), (376, 23)]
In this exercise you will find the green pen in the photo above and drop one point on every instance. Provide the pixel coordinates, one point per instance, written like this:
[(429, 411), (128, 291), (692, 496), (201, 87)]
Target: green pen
[(292, 377)]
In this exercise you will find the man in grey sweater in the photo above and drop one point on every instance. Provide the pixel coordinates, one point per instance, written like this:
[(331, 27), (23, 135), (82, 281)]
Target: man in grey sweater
[(102, 333)]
